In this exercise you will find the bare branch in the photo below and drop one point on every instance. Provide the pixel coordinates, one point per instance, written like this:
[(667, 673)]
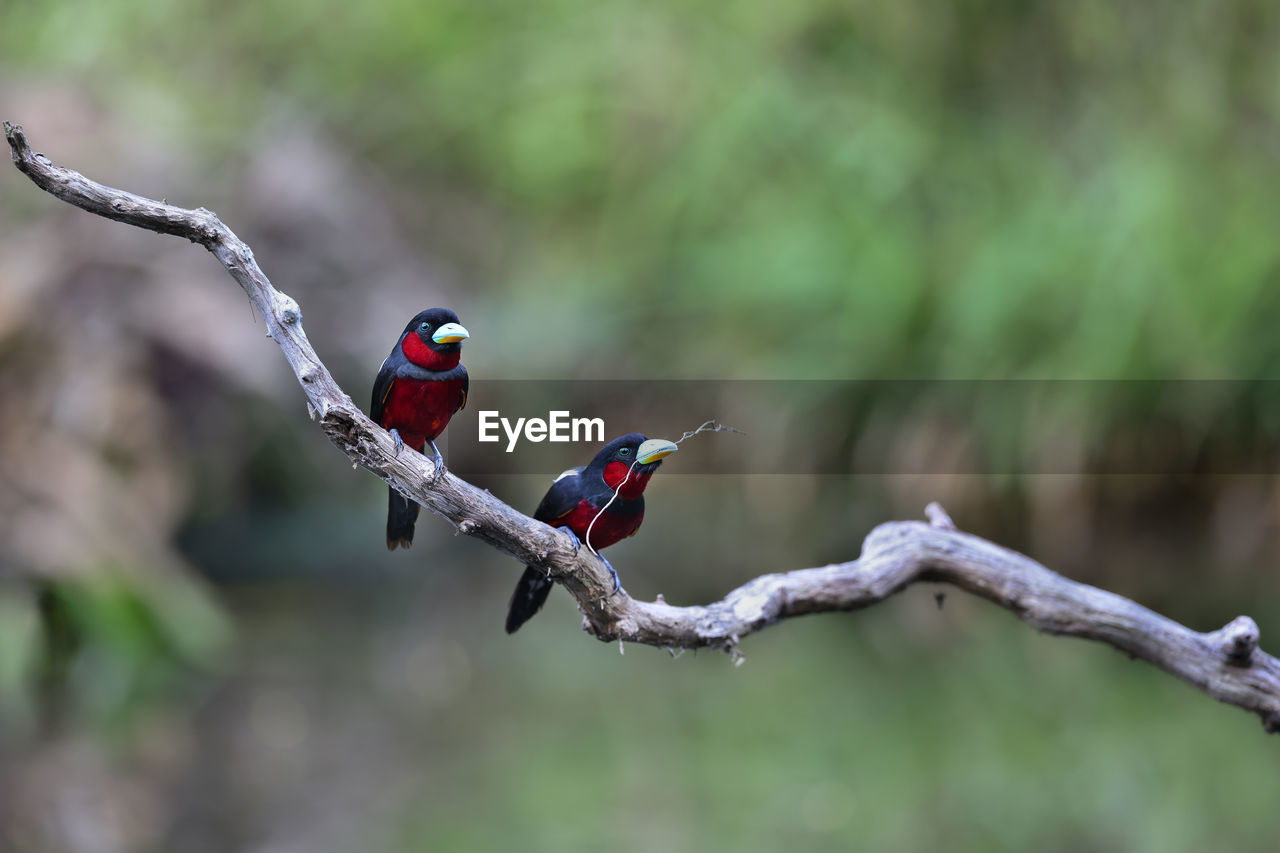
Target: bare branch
[(938, 516), (709, 426), (1226, 664)]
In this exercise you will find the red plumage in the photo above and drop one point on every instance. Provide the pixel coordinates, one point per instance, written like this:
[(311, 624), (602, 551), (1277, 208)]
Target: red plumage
[(609, 528), (420, 410)]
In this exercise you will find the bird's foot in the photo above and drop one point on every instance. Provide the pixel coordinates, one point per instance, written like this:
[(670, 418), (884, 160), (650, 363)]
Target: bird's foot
[(577, 543), (617, 582), (395, 434), (437, 459)]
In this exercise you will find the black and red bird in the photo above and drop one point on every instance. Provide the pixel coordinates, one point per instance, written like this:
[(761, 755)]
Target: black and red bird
[(419, 388), (600, 504)]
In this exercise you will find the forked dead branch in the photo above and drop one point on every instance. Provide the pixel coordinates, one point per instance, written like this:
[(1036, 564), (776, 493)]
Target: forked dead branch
[(1226, 664)]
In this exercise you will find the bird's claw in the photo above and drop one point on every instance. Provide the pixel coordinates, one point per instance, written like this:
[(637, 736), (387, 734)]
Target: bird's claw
[(395, 434), (577, 546), (577, 543), (617, 582), (437, 459)]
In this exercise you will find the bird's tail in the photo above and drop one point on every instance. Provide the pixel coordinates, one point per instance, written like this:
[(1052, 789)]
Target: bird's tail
[(531, 592), (401, 514)]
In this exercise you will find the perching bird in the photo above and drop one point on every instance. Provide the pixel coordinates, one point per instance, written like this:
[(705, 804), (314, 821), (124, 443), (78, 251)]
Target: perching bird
[(583, 500), (419, 388)]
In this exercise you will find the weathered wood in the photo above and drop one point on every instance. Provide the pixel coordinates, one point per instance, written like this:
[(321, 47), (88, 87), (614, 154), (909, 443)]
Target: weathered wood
[(1226, 664)]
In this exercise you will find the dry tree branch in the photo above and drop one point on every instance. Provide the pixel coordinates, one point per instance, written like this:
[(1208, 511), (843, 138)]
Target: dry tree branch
[(709, 426), (1225, 664)]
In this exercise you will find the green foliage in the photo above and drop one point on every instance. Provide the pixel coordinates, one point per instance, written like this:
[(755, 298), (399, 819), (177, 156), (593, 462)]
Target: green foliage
[(838, 734), (102, 646), (19, 642), (987, 190)]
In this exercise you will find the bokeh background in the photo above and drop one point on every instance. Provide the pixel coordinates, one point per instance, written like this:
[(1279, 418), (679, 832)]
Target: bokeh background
[(204, 645)]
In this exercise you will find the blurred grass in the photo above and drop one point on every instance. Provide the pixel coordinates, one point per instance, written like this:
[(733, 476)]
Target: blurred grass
[(966, 731)]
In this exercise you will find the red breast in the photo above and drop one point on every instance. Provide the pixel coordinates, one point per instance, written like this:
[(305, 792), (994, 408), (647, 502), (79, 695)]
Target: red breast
[(619, 473), (421, 410), (424, 356), (607, 530)]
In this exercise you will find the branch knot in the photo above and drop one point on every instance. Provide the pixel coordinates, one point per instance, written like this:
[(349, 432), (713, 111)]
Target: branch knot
[(1238, 639)]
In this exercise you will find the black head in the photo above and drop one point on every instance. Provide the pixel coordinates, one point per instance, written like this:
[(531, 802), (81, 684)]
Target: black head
[(439, 329), (634, 449)]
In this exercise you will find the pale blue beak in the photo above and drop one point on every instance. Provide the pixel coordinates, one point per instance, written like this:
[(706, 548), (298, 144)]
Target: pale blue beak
[(450, 333), (654, 449)]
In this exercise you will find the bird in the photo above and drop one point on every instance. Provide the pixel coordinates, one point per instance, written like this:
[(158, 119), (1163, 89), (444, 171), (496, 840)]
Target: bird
[(600, 503), (419, 388)]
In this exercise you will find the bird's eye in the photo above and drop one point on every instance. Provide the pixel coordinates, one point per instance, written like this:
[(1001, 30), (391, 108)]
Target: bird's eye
[(424, 327), (625, 451)]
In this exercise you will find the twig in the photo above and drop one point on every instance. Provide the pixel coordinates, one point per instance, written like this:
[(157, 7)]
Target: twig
[(938, 516), (1226, 664), (709, 426)]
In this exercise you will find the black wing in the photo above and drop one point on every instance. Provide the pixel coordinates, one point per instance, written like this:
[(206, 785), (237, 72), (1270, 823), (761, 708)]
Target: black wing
[(562, 497), (466, 386), (382, 389)]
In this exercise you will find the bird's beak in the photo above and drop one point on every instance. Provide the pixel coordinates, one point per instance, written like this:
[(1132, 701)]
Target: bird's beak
[(450, 333), (654, 449)]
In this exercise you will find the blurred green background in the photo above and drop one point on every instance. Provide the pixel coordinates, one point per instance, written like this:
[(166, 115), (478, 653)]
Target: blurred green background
[(203, 644)]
